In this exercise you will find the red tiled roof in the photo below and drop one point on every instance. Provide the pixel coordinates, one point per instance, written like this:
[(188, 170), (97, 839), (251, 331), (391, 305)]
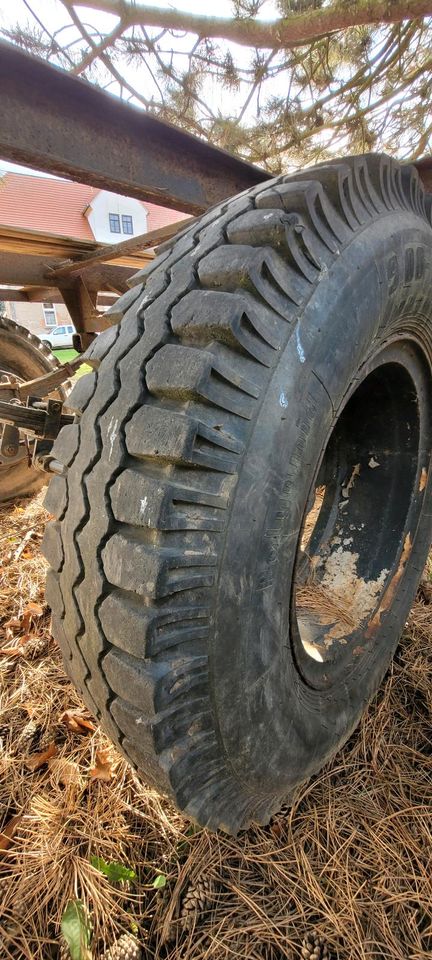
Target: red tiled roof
[(161, 216), (39, 203), (57, 206)]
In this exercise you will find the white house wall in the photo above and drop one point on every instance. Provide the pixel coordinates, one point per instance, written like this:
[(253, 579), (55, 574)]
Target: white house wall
[(105, 203)]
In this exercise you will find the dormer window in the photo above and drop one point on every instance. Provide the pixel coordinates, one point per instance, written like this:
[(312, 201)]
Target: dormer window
[(121, 224), (114, 223), (127, 224)]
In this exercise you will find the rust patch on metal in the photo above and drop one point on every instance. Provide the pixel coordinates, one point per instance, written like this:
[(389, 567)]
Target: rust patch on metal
[(423, 480), (392, 587)]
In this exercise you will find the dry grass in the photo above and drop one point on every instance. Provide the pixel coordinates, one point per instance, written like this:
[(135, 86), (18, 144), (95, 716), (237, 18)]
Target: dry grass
[(326, 605), (351, 861)]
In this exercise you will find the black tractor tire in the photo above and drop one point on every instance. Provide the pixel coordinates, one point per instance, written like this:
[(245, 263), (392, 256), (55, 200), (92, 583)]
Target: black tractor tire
[(278, 351), (24, 355)]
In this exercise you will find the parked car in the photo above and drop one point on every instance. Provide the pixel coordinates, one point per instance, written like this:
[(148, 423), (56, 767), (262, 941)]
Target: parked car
[(59, 337)]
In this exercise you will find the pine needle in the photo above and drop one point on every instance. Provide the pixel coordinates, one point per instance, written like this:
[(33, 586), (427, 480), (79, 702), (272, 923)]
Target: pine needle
[(348, 863)]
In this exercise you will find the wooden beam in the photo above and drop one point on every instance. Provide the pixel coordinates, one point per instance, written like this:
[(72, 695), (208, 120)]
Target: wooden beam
[(112, 252)]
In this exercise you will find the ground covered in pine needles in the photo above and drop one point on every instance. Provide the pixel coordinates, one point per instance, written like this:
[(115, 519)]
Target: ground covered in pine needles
[(351, 863)]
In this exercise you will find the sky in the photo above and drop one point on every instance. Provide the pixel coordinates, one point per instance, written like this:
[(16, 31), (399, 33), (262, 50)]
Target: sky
[(53, 15)]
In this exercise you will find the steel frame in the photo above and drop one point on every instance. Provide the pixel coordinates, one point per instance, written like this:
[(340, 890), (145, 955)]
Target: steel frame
[(65, 126)]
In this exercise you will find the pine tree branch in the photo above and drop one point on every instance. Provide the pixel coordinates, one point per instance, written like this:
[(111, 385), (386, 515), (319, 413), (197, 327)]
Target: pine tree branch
[(283, 33), (55, 44), (96, 51), (105, 58)]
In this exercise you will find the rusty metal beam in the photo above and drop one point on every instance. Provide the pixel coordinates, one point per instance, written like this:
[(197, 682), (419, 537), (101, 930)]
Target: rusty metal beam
[(67, 126), (82, 306)]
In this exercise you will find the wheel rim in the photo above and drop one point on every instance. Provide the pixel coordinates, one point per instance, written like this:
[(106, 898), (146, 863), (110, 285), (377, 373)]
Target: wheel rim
[(359, 523)]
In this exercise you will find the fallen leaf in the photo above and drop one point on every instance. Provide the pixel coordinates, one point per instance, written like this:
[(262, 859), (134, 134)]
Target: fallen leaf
[(6, 836), (38, 759), (76, 928), (77, 722), (36, 609), (103, 768), (29, 636), (30, 612), (11, 652), (67, 772), (276, 829), (29, 707), (13, 622), (159, 882)]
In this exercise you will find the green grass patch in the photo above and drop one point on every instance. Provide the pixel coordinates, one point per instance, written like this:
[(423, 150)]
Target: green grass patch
[(65, 356)]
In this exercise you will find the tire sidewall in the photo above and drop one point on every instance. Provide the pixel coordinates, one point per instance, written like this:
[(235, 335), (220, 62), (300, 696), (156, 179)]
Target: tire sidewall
[(274, 729)]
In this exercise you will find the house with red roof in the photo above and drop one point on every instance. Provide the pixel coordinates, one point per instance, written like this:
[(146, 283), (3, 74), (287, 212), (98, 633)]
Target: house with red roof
[(75, 211)]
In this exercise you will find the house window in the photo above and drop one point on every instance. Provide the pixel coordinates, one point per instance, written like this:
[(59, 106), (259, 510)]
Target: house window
[(127, 224), (49, 314), (114, 223)]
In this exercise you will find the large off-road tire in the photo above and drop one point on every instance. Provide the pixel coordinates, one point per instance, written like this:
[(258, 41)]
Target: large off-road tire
[(246, 509), (23, 355)]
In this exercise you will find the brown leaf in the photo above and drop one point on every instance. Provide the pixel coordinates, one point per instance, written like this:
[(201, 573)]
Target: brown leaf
[(28, 636), (29, 707), (77, 722), (30, 612), (67, 772), (11, 652), (13, 622), (276, 829), (6, 836), (38, 759), (36, 609), (103, 768)]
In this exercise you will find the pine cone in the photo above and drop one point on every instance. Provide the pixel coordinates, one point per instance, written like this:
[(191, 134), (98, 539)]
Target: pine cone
[(196, 900), (28, 735), (46, 737), (35, 647), (125, 948), (314, 948)]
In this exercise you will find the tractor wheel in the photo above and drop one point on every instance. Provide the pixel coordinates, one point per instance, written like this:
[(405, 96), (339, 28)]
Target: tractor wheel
[(23, 356), (246, 509)]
